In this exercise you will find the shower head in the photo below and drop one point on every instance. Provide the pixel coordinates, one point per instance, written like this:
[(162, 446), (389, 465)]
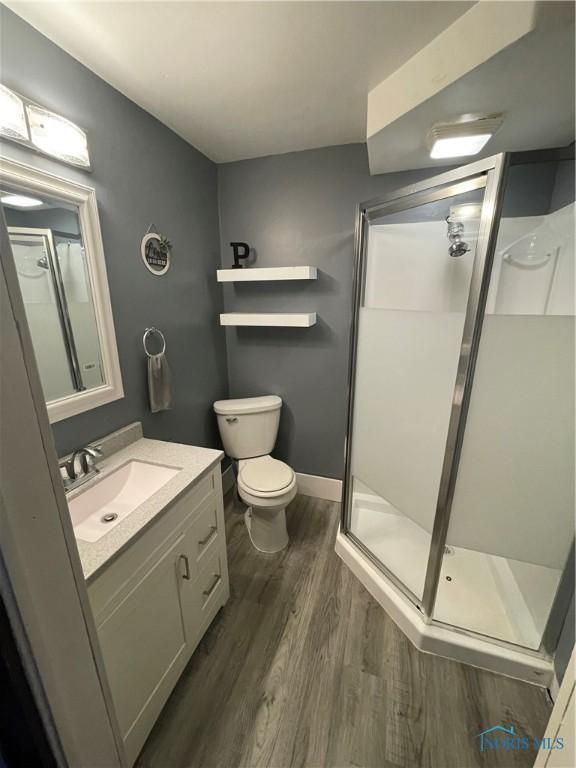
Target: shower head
[(457, 246)]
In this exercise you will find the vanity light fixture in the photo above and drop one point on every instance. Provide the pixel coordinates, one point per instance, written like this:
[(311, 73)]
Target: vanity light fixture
[(20, 201), (462, 138), (36, 127), (56, 136), (12, 115)]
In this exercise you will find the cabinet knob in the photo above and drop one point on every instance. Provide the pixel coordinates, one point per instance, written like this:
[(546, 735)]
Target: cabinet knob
[(186, 574)]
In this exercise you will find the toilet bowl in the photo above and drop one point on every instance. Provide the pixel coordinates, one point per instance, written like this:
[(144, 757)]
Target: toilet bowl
[(248, 427), (266, 486)]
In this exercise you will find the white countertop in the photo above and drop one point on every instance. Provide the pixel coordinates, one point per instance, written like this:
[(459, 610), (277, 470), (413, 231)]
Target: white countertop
[(194, 463)]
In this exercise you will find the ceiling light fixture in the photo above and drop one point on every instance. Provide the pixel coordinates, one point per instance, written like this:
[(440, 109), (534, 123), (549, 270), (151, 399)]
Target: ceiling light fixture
[(462, 138), (20, 201)]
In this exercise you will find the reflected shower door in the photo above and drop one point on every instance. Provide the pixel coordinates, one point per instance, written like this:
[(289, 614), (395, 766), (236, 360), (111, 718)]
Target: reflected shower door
[(55, 284), (417, 262), (33, 257)]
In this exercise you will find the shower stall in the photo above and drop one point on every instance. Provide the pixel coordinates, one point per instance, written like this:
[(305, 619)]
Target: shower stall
[(458, 511)]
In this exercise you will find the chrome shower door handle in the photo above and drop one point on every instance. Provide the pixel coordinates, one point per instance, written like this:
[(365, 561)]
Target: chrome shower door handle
[(186, 574)]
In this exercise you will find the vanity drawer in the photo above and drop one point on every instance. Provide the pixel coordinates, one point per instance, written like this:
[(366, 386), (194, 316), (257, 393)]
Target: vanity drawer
[(212, 580), (205, 532)]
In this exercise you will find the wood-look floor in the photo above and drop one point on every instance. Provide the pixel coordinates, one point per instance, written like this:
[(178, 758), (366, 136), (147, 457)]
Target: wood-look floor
[(303, 668)]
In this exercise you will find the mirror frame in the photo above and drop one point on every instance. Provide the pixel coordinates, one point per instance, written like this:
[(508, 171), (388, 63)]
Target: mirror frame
[(26, 178)]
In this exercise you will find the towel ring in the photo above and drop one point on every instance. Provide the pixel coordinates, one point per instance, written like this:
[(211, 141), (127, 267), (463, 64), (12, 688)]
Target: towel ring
[(147, 333)]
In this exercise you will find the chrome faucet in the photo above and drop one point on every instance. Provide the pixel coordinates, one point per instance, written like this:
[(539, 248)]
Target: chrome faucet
[(87, 458)]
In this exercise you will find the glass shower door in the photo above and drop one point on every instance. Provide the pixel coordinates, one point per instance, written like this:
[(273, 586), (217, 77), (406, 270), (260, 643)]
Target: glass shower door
[(418, 270), (512, 517)]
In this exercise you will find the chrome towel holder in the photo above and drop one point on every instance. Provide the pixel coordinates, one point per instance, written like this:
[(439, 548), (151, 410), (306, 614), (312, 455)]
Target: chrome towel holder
[(149, 332)]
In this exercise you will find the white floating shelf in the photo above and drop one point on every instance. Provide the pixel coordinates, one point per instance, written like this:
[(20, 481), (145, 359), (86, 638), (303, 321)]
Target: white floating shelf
[(278, 319), (249, 274)]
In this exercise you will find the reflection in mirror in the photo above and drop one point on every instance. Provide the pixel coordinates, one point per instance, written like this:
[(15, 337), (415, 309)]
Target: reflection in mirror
[(54, 278), (55, 238)]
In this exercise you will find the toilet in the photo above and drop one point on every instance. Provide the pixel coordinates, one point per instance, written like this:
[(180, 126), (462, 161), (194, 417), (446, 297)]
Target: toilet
[(248, 428)]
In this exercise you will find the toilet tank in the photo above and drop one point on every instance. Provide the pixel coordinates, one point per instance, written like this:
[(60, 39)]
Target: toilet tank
[(248, 426)]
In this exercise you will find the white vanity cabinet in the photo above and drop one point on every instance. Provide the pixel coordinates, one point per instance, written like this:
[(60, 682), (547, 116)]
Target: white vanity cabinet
[(155, 600)]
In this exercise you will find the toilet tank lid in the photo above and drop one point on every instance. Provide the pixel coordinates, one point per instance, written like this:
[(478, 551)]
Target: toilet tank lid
[(248, 405)]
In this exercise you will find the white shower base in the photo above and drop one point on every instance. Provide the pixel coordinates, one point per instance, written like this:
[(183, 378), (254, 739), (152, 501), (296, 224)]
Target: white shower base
[(436, 638), (481, 600), (477, 591)]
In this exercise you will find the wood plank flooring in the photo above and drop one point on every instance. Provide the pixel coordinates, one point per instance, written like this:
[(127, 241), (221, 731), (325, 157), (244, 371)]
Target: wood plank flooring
[(303, 668)]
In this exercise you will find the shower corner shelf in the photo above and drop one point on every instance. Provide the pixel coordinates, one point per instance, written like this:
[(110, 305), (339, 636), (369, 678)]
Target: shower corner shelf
[(270, 319), (252, 274)]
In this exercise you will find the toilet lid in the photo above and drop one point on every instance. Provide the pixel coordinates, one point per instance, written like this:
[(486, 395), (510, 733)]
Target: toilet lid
[(266, 474)]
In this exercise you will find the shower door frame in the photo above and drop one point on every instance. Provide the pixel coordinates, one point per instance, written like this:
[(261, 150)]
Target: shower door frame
[(489, 174)]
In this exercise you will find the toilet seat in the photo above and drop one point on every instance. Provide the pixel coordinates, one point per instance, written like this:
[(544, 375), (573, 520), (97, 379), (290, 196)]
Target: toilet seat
[(265, 477)]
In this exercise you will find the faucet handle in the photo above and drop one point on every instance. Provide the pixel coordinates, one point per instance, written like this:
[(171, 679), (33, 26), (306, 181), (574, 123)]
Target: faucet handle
[(89, 457), (69, 473)]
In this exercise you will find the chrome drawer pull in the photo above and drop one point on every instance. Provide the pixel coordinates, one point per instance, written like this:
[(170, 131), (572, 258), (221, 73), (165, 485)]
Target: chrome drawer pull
[(210, 534), (186, 574), (212, 587)]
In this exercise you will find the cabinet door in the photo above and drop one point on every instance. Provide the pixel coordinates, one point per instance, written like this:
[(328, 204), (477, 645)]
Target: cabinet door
[(144, 645)]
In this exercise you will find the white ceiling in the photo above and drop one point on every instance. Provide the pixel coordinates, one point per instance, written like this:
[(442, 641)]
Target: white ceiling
[(246, 79)]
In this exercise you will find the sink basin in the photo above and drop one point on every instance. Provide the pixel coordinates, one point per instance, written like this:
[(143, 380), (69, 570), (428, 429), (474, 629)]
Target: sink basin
[(109, 501)]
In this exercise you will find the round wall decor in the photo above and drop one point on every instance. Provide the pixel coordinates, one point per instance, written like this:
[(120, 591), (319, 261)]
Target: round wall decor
[(155, 250)]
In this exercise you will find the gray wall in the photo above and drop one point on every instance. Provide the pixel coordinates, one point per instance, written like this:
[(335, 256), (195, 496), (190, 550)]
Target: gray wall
[(143, 173), (299, 208), (564, 192)]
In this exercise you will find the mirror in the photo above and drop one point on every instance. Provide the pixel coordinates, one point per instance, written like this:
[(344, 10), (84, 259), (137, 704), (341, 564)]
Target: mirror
[(55, 237)]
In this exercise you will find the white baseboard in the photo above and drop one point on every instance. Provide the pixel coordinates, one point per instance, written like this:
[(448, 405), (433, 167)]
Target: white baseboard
[(308, 485), (228, 479), (321, 487)]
